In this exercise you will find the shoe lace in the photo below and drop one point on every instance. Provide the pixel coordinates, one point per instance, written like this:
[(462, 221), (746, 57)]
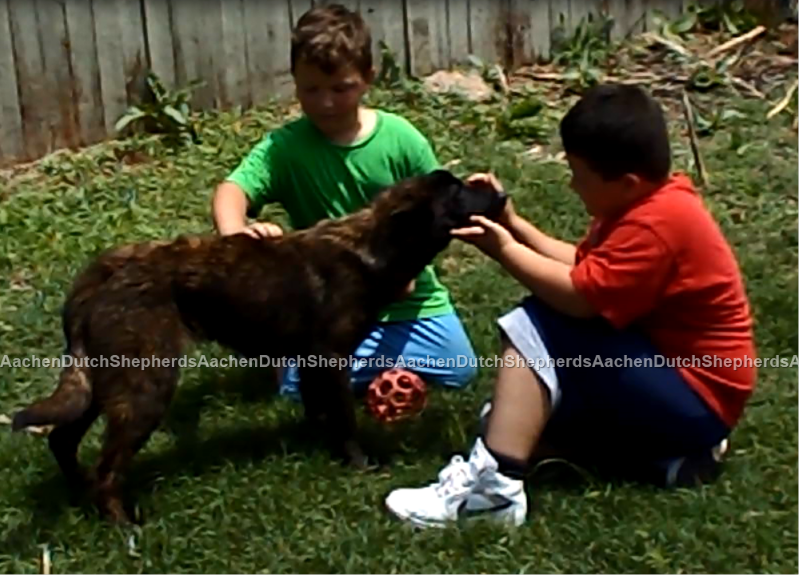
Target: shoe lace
[(457, 477)]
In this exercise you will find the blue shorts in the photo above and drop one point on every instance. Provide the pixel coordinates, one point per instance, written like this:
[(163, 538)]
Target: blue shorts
[(613, 410), (437, 349)]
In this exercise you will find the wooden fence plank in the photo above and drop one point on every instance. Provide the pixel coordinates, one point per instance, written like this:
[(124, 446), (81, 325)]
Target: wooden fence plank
[(636, 16), (540, 30), (134, 50), (233, 64), (487, 30), (521, 24), (629, 17), (185, 40), (582, 10), (33, 94), (387, 24), (298, 8), (559, 21), (256, 39), (670, 8), (111, 60), (158, 26), (427, 36), (279, 22), (12, 142), (191, 24), (85, 70), (615, 9), (268, 40), (210, 54), (458, 25), (62, 109)]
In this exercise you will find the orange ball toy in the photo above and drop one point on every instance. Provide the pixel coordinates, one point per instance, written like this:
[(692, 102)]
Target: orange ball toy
[(395, 395)]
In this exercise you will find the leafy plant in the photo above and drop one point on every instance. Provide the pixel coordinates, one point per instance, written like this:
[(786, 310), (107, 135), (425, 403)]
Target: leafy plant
[(524, 120), (585, 52), (730, 16), (704, 78), (708, 125), (163, 111), (390, 74)]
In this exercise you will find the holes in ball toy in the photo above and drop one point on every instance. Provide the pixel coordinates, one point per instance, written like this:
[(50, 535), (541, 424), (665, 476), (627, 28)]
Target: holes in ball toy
[(404, 382), (385, 387)]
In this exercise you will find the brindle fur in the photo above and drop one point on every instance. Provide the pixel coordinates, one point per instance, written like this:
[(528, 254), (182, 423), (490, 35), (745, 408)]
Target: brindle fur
[(315, 292)]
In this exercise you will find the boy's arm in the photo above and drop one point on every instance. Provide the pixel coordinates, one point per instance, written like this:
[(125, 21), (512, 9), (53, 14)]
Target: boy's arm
[(548, 278), (527, 234), (245, 191), (621, 280), (229, 208)]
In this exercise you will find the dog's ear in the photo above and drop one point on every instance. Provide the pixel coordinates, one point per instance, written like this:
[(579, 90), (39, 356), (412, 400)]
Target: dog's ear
[(436, 207)]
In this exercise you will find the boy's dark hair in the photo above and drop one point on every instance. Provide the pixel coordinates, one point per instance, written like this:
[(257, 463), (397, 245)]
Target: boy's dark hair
[(332, 36), (618, 129)]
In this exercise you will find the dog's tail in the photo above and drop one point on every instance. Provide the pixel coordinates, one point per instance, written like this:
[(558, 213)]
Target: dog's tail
[(68, 402)]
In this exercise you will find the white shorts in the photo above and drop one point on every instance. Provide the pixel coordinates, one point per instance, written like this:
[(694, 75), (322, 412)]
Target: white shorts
[(524, 336)]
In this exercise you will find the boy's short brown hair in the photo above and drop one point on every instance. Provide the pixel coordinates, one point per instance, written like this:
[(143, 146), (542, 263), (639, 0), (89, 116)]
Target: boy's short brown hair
[(618, 129), (332, 36)]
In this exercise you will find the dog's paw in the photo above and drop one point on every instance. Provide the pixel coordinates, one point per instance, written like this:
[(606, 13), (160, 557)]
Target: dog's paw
[(355, 457)]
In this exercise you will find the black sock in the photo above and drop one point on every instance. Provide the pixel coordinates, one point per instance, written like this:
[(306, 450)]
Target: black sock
[(508, 466)]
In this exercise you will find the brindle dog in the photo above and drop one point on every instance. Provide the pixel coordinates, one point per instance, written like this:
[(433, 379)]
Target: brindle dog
[(315, 292)]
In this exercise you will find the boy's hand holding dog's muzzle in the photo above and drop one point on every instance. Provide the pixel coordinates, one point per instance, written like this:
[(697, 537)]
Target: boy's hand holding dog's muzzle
[(506, 219), (488, 236)]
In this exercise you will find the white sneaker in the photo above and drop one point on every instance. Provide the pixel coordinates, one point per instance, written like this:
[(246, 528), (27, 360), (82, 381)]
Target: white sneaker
[(464, 489)]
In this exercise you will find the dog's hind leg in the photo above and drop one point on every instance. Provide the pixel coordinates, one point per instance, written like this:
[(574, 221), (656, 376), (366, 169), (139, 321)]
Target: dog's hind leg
[(64, 441), (132, 418)]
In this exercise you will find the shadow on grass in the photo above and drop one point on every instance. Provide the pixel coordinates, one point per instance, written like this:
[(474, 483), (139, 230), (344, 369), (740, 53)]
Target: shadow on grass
[(239, 443)]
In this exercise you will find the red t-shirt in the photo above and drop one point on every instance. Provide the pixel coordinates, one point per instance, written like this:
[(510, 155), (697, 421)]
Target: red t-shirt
[(666, 266)]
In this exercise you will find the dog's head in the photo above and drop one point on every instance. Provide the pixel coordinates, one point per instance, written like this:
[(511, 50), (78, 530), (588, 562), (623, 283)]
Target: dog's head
[(455, 201), (438, 202)]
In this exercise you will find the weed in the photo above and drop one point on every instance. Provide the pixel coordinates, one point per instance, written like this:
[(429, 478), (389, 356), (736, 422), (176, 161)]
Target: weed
[(585, 52), (163, 111), (730, 16)]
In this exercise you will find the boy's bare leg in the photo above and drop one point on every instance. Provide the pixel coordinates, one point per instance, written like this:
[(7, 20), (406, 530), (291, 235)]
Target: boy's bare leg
[(519, 410)]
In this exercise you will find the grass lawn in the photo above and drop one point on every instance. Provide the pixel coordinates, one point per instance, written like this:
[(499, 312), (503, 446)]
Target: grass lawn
[(229, 483)]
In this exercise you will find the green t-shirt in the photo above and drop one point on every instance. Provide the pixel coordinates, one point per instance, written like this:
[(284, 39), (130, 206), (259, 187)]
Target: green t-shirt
[(313, 179)]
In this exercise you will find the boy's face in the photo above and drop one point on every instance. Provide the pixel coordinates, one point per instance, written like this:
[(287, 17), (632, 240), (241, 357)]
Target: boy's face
[(601, 197), (330, 101)]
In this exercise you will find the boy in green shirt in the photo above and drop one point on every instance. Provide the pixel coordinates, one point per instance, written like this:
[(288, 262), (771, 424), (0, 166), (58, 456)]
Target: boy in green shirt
[(331, 162)]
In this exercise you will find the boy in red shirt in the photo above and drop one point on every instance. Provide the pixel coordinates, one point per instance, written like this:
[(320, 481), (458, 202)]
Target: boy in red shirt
[(635, 349)]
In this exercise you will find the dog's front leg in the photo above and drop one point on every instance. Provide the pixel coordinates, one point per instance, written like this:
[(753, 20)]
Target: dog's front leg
[(327, 398)]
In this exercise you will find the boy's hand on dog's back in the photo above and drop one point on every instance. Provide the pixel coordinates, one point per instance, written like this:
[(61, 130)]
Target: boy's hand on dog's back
[(261, 230), (229, 209), (258, 230)]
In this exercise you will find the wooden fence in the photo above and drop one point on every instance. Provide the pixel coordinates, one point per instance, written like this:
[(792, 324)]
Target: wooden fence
[(70, 68)]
